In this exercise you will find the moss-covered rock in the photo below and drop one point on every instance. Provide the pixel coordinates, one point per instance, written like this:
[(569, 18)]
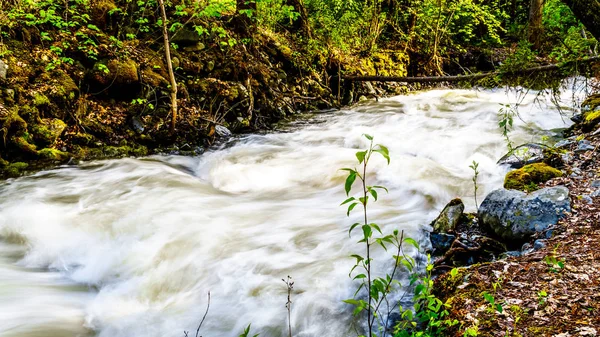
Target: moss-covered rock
[(14, 169), (48, 131), (449, 217), (53, 154), (527, 177), (591, 112), (115, 72), (22, 144)]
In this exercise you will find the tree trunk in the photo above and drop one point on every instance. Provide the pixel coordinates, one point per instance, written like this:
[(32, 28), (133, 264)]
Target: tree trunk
[(536, 13), (302, 23), (588, 12), (169, 66)]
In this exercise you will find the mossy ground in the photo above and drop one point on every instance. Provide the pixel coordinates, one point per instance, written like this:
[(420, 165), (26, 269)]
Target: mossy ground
[(88, 107)]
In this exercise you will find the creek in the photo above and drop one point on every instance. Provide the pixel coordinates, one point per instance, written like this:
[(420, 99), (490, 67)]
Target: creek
[(130, 247)]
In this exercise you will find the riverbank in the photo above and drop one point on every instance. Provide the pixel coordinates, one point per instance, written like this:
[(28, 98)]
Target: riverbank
[(95, 84), (549, 288)]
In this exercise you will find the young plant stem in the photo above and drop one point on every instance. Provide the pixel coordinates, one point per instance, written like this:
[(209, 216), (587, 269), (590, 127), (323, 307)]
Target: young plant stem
[(364, 184), (288, 305), (169, 66)]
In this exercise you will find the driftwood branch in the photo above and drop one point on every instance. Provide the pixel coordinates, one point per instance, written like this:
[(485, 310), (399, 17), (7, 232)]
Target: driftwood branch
[(471, 77)]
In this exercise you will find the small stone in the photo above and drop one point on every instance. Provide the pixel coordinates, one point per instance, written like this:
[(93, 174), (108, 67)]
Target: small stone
[(577, 118), (595, 183), (511, 253), (441, 242), (584, 145), (526, 248), (3, 69), (539, 244), (588, 200), (595, 194), (523, 155), (567, 158), (563, 143), (137, 124), (222, 131)]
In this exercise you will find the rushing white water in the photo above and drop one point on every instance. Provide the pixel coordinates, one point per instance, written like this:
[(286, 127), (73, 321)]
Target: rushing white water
[(131, 247)]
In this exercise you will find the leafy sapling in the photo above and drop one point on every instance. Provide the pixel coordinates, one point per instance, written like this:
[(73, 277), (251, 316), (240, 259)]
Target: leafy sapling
[(377, 288), (475, 167)]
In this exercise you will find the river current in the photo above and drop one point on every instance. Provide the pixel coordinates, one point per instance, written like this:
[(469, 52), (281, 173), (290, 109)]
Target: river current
[(131, 247)]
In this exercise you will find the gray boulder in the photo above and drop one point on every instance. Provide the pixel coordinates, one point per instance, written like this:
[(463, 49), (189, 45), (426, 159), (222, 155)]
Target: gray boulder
[(523, 155), (449, 217), (515, 215)]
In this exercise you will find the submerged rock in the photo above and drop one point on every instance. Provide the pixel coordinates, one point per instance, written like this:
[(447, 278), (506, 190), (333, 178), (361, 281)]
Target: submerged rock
[(449, 217), (527, 177), (515, 215), (523, 155)]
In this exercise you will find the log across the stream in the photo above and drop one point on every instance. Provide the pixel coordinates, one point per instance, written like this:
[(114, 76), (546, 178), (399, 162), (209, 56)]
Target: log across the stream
[(470, 77)]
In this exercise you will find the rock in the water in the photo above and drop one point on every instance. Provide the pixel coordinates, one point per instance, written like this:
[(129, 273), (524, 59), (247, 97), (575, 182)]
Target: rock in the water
[(441, 242), (222, 131), (527, 177), (3, 69), (523, 155), (449, 217), (515, 215)]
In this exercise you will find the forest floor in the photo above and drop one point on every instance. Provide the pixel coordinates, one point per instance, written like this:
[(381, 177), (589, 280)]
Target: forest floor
[(552, 291)]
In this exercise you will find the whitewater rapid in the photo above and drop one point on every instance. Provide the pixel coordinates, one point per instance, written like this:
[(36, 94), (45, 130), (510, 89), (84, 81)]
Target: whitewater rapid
[(130, 247)]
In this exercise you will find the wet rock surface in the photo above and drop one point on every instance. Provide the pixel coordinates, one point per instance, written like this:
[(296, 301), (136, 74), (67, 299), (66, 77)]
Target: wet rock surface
[(515, 215)]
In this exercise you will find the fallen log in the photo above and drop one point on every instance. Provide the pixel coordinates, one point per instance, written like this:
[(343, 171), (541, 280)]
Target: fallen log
[(470, 77)]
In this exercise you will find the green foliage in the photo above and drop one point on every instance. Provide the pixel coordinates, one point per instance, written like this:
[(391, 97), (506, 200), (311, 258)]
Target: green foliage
[(246, 332), (522, 58), (554, 264), (506, 115), (428, 316), (493, 305), (475, 166)]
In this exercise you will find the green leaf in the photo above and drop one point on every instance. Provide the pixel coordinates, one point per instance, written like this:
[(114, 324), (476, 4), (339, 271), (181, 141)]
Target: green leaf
[(352, 301), (350, 208), (352, 227), (369, 137), (349, 181), (373, 193), (411, 241), (374, 225), (367, 231), (384, 152), (359, 276), (347, 200), (382, 188), (361, 156)]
